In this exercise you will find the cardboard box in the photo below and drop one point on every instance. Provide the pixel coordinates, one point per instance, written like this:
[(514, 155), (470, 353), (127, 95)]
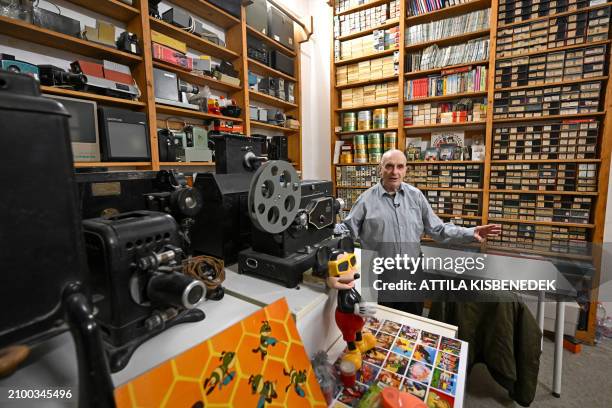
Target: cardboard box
[(174, 57), (168, 41)]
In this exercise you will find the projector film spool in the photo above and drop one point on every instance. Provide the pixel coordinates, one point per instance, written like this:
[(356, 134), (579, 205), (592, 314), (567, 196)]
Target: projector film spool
[(274, 196)]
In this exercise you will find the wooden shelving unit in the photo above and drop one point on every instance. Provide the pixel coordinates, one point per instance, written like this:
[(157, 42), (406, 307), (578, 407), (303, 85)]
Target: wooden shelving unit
[(263, 125), (197, 79), (361, 33), (111, 164), (263, 69), (107, 100), (373, 55), (136, 19), (595, 226), (424, 73), (271, 100), (443, 42), (448, 12), (111, 8), (447, 97), (186, 164), (176, 111), (29, 32), (192, 40)]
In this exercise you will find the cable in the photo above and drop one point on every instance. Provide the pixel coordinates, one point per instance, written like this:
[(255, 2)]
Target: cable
[(210, 270)]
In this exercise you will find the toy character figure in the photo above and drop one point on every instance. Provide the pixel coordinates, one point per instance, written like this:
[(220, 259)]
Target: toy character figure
[(297, 378), (221, 375), (265, 389), (351, 311), (265, 340)]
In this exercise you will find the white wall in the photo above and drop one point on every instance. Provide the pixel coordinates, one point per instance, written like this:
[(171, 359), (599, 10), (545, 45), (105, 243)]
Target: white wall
[(605, 290), (315, 87)]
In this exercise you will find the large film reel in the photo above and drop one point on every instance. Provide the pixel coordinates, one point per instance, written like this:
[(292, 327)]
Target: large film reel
[(274, 196)]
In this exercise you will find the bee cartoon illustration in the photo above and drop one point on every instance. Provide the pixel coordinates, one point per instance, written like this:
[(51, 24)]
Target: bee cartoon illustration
[(221, 375), (265, 340), (265, 389), (296, 378)]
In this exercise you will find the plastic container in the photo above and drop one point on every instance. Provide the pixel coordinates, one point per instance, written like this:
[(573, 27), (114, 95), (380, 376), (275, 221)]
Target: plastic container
[(348, 373)]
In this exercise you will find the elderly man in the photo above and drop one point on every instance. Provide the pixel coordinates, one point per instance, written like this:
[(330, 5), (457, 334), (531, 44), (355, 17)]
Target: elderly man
[(393, 215)]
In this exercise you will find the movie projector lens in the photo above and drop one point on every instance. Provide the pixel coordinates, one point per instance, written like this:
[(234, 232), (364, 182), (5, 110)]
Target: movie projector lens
[(176, 289)]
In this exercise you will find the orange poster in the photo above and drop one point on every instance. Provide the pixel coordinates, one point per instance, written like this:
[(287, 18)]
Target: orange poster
[(258, 362)]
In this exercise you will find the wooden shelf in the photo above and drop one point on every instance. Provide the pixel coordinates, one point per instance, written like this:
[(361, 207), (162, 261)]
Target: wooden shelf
[(176, 111), (467, 217), (367, 82), (262, 69), (416, 74), (359, 132), (186, 164), (544, 192), (388, 24), (111, 8), (355, 187), (103, 99), (208, 12), (542, 18), (546, 254), (549, 117), (192, 40), (448, 40), (356, 164), (576, 81), (447, 97), (475, 125), (364, 107), (271, 100), (364, 6), (80, 165), (445, 162), (31, 33), (263, 125), (470, 190), (548, 161), (377, 54), (447, 12), (275, 44), (197, 79), (553, 223), (564, 48)]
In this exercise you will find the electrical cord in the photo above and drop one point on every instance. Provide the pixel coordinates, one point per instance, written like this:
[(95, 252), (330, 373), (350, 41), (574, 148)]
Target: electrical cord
[(210, 270)]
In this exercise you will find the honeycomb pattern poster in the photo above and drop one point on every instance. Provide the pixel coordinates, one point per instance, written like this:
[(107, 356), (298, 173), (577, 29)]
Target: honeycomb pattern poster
[(258, 362)]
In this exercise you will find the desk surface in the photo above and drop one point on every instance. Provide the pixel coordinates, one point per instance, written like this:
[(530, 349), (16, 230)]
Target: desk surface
[(53, 363), (261, 292)]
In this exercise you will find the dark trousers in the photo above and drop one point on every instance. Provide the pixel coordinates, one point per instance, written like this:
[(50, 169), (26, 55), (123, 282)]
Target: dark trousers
[(408, 307)]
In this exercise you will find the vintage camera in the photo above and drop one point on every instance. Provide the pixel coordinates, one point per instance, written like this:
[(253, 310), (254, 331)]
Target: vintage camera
[(9, 63), (128, 42), (135, 260), (54, 76)]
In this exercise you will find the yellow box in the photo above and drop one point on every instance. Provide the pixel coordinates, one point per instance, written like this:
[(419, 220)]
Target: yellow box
[(168, 41)]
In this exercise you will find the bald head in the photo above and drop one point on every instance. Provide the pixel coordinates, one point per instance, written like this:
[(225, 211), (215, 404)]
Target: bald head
[(392, 169), (393, 154)]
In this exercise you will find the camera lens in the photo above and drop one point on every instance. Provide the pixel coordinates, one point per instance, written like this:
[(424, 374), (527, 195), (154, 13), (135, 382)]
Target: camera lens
[(175, 289)]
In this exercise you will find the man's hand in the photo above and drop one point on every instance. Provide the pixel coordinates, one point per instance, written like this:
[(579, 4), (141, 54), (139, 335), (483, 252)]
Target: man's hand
[(364, 310), (484, 231)]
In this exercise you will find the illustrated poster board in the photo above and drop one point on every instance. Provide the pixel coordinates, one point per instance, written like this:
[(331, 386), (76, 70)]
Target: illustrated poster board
[(258, 362), (416, 355)]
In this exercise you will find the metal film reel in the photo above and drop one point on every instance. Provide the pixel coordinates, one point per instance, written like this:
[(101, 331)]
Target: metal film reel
[(274, 196)]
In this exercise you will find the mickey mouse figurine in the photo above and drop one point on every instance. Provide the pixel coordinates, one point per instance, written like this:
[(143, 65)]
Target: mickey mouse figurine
[(351, 311)]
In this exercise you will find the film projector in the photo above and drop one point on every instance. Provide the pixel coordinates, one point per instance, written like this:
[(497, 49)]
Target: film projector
[(293, 225)]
